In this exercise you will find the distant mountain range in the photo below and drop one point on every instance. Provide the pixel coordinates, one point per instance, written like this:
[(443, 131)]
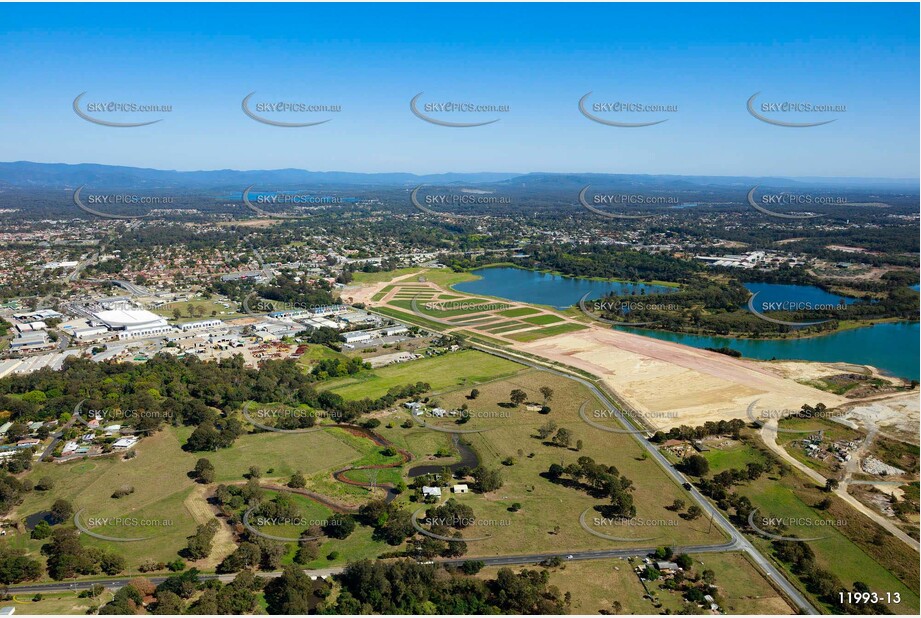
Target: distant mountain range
[(25, 174)]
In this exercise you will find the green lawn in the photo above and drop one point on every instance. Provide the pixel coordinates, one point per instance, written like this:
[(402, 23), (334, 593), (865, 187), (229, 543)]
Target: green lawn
[(467, 367), (543, 320), (316, 353), (549, 516), (158, 475), (550, 331), (284, 453), (518, 312)]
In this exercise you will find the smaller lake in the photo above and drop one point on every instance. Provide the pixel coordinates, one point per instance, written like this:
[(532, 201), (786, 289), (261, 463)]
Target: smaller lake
[(531, 286), (803, 294)]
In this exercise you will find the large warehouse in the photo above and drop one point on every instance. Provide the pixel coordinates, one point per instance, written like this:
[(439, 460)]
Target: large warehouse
[(130, 319)]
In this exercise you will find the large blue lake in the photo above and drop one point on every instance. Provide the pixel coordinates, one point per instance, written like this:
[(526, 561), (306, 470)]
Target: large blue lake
[(531, 286), (892, 347)]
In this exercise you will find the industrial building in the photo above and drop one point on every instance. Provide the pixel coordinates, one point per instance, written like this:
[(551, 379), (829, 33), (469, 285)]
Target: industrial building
[(129, 319)]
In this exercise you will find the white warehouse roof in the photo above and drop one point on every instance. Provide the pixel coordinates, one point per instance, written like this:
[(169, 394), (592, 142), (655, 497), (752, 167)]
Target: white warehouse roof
[(129, 319)]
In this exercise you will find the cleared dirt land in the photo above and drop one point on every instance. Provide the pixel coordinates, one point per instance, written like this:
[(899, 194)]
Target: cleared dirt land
[(675, 384)]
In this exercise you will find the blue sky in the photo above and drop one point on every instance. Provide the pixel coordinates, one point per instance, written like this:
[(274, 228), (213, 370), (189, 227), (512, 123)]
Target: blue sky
[(538, 59)]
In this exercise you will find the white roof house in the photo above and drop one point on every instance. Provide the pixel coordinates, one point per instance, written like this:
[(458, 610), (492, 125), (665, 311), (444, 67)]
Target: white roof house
[(460, 488), (127, 442), (435, 492)]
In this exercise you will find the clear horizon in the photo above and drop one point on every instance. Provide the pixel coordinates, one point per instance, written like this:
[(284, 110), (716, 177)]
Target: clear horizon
[(539, 60), (514, 173)]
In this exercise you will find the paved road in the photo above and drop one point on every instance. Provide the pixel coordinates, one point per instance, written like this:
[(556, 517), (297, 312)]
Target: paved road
[(118, 582), (598, 554)]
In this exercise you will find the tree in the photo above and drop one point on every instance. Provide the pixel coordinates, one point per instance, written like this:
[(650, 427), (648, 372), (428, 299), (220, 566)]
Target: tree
[(696, 465), (298, 481), (200, 543), (307, 552), (474, 393), (112, 563), (204, 471), (61, 511), (547, 393), (831, 485), (518, 396), (44, 484), (694, 512), (340, 526), (169, 604), (563, 437), (546, 429), (579, 445), (684, 561), (677, 505), (254, 472), (664, 553), (290, 593), (487, 479)]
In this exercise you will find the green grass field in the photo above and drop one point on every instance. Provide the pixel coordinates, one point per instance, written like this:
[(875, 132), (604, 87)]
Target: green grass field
[(518, 312), (467, 367), (64, 603), (550, 331), (209, 309), (316, 353), (596, 584), (158, 475), (543, 320), (284, 453)]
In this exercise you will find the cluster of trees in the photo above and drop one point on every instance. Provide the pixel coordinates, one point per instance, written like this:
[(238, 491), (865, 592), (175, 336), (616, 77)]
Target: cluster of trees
[(201, 541), (173, 596), (232, 498), (486, 479), (609, 262), (407, 587), (391, 524), (211, 435), (603, 481), (20, 461), (204, 471), (16, 566), (446, 520), (732, 427), (12, 491), (335, 368), (67, 558), (183, 391), (254, 552), (301, 293)]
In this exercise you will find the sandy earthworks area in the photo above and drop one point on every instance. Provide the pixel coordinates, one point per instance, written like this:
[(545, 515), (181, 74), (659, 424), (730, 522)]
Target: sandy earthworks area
[(672, 384)]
